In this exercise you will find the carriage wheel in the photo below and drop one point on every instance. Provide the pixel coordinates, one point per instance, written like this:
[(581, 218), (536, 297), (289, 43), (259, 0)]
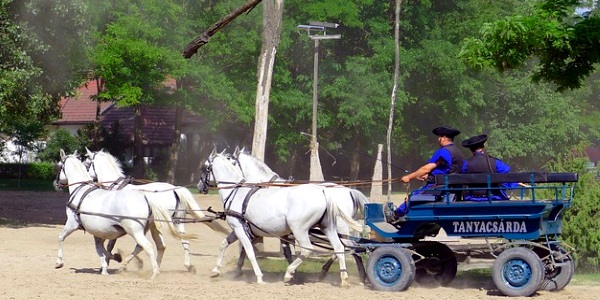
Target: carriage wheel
[(390, 269), (439, 266), (556, 277), (518, 272)]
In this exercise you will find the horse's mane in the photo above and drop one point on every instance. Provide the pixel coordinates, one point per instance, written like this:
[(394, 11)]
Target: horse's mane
[(259, 164), (228, 165), (112, 162)]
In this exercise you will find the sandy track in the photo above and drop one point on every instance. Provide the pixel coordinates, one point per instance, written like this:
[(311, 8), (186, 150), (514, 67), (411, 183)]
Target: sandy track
[(28, 255)]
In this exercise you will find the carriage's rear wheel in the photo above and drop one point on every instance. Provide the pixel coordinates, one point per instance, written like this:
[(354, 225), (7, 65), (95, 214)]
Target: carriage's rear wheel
[(390, 269), (556, 276), (438, 267)]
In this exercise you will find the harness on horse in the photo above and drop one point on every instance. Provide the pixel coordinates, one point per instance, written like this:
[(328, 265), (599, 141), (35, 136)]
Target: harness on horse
[(77, 208), (241, 216)]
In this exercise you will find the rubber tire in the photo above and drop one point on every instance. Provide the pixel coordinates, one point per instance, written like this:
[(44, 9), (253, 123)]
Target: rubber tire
[(441, 275), (390, 269), (518, 272), (559, 278)]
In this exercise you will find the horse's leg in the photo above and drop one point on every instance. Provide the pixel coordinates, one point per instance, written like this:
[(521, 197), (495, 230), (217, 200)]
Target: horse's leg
[(141, 240), (187, 263), (362, 274), (231, 238), (306, 249), (326, 267), (247, 244), (159, 242), (70, 226), (103, 254), (338, 248), (241, 259), (114, 256), (131, 256), (287, 249)]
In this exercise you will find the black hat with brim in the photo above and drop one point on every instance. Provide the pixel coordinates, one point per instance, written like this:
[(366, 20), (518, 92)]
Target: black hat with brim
[(475, 142), (446, 131)]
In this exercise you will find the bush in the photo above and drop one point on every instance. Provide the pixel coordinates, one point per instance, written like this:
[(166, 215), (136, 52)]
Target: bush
[(59, 139), (581, 223), (41, 170), (27, 171)]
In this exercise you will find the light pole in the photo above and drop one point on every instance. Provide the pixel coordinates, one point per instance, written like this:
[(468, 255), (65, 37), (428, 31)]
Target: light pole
[(316, 174)]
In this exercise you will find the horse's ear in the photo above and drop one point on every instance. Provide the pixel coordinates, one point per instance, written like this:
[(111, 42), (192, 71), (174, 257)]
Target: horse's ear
[(223, 152), (236, 153), (75, 153), (89, 153), (214, 152), (62, 154)]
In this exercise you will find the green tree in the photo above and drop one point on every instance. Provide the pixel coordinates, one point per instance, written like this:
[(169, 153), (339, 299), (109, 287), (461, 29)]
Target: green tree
[(564, 45), (39, 63), (133, 60), (59, 139)]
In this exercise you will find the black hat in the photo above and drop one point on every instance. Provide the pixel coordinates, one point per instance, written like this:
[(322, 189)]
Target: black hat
[(475, 142), (446, 131)]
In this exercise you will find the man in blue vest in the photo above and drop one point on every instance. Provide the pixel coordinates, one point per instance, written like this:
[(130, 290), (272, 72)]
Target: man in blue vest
[(446, 160), (481, 162)]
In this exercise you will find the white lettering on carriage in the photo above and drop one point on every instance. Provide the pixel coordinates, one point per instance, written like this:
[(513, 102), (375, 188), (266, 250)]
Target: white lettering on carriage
[(489, 227)]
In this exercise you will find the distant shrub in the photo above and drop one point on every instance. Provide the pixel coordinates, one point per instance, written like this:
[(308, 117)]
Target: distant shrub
[(39, 170)]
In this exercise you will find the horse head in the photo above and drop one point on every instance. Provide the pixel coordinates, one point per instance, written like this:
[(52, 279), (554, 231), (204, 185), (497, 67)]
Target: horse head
[(218, 168), (69, 166)]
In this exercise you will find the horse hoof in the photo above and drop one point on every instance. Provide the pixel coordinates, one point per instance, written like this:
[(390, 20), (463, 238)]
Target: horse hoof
[(287, 278), (191, 269), (261, 282), (58, 265), (117, 257), (215, 274)]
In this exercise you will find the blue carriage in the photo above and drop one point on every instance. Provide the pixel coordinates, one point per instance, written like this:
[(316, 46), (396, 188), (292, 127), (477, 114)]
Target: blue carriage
[(529, 256)]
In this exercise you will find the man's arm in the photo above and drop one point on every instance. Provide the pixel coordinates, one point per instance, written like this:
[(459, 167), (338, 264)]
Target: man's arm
[(424, 170)]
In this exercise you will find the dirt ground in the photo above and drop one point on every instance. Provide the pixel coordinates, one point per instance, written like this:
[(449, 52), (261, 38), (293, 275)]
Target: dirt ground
[(28, 254)]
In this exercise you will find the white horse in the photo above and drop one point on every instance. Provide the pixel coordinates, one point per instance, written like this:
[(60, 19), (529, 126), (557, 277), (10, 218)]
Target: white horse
[(107, 170), (274, 212), (350, 201), (108, 215)]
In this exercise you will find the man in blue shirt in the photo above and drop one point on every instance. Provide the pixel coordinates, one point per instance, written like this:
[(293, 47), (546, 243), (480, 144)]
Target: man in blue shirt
[(481, 162), (446, 160)]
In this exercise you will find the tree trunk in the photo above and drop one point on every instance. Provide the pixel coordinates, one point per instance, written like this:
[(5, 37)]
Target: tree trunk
[(355, 163), (139, 168), (175, 145), (272, 19), (394, 93)]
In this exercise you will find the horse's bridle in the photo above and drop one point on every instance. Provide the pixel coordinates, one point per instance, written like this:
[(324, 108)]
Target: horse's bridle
[(61, 166)]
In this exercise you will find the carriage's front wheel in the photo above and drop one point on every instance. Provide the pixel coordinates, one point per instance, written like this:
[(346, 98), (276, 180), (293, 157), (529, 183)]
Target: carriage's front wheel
[(390, 269), (518, 272)]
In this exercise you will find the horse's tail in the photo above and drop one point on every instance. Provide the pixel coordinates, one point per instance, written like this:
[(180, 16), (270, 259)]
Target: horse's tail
[(359, 199), (190, 205), (163, 220), (334, 211)]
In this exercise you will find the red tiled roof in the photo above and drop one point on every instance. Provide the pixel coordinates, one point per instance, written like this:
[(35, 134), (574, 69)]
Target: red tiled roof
[(158, 123), (81, 109), (593, 153)]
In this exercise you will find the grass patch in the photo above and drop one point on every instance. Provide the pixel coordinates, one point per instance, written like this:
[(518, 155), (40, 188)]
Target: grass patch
[(26, 185), (4, 222), (586, 279)]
